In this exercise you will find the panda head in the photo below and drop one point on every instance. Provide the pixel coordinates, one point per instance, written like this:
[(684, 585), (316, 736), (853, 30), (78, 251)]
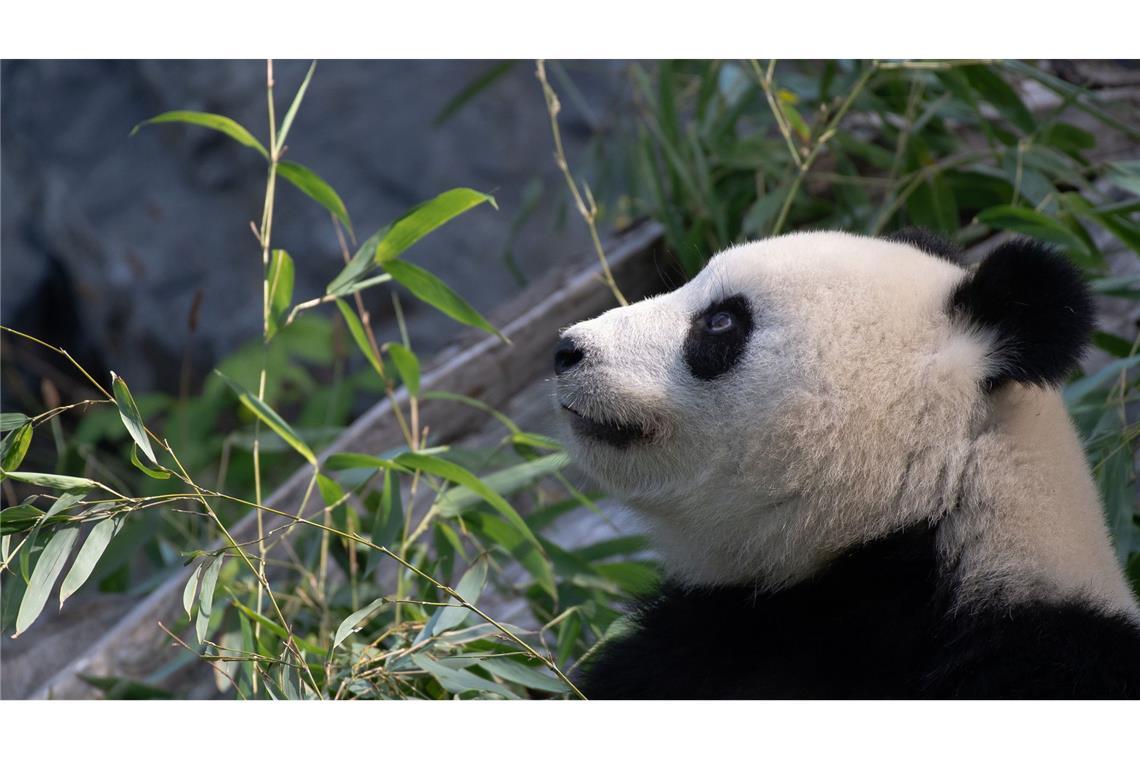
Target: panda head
[(809, 392)]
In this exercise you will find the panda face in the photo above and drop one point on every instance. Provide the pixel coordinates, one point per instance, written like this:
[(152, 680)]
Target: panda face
[(783, 404)]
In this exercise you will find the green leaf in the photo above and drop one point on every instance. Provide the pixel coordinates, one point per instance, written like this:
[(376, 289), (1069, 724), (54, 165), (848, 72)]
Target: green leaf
[(15, 447), (277, 630), (388, 523), (531, 557), (459, 681), (469, 588), (331, 492), (280, 277), (510, 669), (11, 421), (506, 481), (361, 263), (426, 217), (1078, 389), (287, 122), (309, 183), (456, 474), (431, 290), (122, 688), (48, 568), (349, 460), (1038, 225), (89, 554), (162, 474), (223, 124), (408, 365), (356, 329), (1125, 175), (209, 581), (471, 89), (350, 624), (989, 84), (190, 590), (54, 482), (271, 419), (19, 518), (132, 420)]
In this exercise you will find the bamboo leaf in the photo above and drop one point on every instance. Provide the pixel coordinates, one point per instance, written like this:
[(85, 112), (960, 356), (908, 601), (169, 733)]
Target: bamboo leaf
[(47, 570), (408, 365), (469, 588), (280, 278), (88, 556), (210, 572), (426, 217), (190, 590), (388, 523), (506, 481), (132, 420), (271, 419), (471, 89), (1038, 225), (15, 447), (456, 474), (431, 290), (356, 329), (350, 624), (459, 681), (309, 182), (156, 474), (287, 122), (54, 482), (11, 421), (510, 669), (223, 124)]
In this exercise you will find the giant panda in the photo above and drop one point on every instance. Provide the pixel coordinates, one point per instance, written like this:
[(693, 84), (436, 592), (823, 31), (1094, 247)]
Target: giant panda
[(853, 459)]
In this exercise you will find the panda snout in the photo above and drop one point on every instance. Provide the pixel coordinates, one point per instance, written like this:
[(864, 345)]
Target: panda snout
[(567, 355)]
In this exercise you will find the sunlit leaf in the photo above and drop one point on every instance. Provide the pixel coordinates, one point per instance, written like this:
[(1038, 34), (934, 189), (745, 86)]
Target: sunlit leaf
[(132, 420), (287, 122), (431, 290), (506, 481), (271, 419), (153, 473), (310, 183), (223, 124), (426, 217), (15, 447)]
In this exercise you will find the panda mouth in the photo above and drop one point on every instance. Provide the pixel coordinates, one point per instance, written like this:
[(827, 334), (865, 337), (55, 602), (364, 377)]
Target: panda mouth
[(615, 434)]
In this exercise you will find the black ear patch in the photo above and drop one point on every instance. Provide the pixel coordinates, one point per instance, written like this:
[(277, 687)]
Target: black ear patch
[(1037, 305), (927, 242)]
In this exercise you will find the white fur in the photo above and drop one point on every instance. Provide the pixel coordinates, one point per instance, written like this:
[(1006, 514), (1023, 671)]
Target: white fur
[(854, 411)]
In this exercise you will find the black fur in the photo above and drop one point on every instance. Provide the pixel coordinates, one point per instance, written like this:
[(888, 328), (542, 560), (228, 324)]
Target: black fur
[(710, 354), (1038, 306), (928, 242), (875, 624)]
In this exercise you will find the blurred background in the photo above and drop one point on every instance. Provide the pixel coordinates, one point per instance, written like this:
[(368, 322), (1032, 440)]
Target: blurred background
[(139, 254)]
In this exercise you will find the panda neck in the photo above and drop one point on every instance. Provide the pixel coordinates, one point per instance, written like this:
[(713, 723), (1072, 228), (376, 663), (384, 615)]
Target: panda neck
[(1027, 522)]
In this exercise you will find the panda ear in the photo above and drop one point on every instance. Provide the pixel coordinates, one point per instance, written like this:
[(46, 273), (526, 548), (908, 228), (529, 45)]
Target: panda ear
[(927, 242), (1035, 305)]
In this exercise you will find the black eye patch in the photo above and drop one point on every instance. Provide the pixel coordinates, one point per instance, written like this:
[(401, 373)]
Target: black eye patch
[(718, 336)]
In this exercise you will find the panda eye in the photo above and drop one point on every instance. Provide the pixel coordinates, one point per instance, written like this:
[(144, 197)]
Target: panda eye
[(720, 322), (717, 337)]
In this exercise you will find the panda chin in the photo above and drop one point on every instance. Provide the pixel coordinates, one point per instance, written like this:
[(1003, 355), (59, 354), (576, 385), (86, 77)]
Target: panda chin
[(614, 434)]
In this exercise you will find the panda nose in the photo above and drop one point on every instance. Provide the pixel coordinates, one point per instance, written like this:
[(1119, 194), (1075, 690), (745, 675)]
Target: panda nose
[(566, 355)]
